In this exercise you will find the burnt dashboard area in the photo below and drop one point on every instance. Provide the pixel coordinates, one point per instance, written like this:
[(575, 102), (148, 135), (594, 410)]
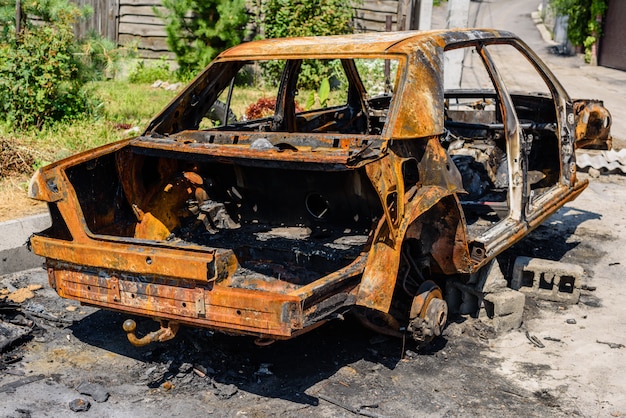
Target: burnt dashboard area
[(367, 118), (476, 140)]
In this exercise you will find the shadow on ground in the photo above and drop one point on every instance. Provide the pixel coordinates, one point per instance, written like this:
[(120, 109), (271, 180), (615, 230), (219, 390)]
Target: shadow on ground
[(285, 369), (556, 240)]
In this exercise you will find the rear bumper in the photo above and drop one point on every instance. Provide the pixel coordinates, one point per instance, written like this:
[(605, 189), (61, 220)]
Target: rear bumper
[(166, 283), (203, 305)]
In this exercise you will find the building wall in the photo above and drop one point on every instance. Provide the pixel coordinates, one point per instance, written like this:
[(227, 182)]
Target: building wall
[(612, 47)]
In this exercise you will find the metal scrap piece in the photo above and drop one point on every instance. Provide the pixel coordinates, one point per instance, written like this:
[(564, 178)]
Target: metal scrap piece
[(611, 345), (534, 340), (10, 387)]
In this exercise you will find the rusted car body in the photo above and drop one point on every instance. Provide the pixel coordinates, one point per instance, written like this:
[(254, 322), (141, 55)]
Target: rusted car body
[(272, 226)]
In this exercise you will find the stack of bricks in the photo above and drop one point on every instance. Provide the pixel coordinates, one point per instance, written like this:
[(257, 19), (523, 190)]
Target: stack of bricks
[(487, 297)]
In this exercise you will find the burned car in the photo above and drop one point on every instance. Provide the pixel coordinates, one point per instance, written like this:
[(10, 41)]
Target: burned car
[(267, 209)]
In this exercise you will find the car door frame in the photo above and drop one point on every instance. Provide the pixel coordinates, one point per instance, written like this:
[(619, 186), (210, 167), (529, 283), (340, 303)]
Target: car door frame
[(523, 215)]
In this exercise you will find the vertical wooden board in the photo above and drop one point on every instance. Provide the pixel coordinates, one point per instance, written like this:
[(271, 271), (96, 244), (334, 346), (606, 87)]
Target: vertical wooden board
[(103, 20), (114, 18), (371, 15)]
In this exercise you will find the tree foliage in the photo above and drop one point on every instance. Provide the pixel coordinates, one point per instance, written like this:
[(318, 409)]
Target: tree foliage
[(39, 72), (197, 30), (584, 19), (285, 18)]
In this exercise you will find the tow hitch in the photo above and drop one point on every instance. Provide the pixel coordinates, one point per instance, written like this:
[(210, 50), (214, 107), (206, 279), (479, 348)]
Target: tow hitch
[(167, 332)]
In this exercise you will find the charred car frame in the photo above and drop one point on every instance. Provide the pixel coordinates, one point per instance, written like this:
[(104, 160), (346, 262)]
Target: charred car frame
[(271, 225)]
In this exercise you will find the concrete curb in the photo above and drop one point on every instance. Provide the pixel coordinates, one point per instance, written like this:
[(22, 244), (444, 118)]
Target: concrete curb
[(545, 33), (14, 253)]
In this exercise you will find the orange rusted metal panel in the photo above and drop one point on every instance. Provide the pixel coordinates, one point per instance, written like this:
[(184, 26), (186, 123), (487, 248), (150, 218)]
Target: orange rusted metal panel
[(229, 309), (593, 125)]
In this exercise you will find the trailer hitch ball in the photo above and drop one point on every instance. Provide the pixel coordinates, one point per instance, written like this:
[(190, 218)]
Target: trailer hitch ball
[(129, 326), (167, 331)]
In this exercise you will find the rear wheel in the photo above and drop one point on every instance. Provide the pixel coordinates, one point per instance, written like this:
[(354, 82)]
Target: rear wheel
[(417, 308), (429, 314)]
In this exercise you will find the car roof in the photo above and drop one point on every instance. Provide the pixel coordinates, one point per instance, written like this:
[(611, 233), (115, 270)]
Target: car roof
[(358, 44), (419, 113)]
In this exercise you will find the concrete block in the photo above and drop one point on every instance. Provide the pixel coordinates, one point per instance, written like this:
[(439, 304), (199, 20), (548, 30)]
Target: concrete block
[(462, 299), (548, 280), (505, 309), (490, 278), (486, 296)]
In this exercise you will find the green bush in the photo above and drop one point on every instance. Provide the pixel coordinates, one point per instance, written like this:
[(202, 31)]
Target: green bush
[(100, 57), (198, 30), (583, 28), (284, 18), (151, 72), (39, 72)]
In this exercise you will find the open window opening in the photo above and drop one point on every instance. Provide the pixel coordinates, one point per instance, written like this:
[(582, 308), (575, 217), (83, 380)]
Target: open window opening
[(475, 138), (336, 96), (536, 112)]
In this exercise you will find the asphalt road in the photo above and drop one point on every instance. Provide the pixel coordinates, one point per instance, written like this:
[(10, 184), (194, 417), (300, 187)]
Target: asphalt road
[(581, 80)]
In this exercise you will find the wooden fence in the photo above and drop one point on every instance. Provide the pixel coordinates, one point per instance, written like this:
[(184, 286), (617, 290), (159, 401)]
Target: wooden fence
[(371, 15), (103, 20), (134, 21)]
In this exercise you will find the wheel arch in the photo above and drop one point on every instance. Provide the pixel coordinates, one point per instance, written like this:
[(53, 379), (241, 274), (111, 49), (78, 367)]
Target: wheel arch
[(433, 216)]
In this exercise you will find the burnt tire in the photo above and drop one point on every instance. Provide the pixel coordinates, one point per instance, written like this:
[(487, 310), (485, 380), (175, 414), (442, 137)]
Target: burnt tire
[(219, 113)]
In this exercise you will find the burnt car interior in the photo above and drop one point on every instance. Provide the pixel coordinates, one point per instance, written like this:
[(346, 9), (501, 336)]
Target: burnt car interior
[(307, 233), (476, 137)]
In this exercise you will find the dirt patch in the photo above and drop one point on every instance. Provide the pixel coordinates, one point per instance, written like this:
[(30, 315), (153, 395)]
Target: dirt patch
[(14, 201), (17, 165)]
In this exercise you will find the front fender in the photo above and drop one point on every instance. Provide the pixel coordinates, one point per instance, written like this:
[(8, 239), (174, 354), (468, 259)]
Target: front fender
[(379, 277)]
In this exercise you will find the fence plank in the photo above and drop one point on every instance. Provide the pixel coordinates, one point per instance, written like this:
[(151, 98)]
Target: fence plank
[(142, 2), (142, 30), (141, 20), (126, 9), (152, 44)]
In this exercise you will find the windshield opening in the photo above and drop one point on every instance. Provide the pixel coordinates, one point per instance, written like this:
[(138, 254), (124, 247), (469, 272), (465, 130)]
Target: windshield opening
[(338, 96)]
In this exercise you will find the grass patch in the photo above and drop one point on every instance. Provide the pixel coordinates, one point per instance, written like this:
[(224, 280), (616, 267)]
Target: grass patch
[(130, 103), (122, 106)]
